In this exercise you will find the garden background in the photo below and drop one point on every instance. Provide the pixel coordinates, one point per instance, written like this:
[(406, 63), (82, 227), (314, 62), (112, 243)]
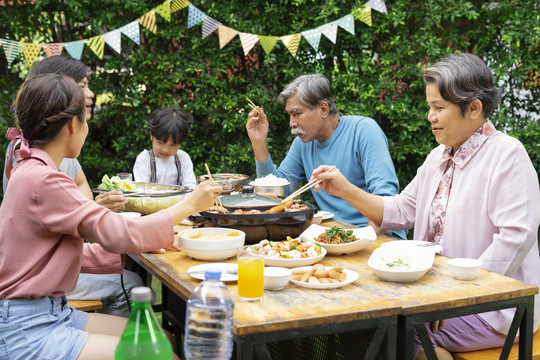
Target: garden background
[(376, 70)]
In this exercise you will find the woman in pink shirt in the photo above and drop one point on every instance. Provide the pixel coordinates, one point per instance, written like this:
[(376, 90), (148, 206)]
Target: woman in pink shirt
[(43, 221), (476, 194)]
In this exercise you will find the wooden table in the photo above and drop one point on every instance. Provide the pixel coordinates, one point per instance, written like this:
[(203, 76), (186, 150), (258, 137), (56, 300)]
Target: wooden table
[(368, 303)]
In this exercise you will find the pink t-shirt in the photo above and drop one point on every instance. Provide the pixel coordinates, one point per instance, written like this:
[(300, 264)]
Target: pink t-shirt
[(43, 221), (492, 213)]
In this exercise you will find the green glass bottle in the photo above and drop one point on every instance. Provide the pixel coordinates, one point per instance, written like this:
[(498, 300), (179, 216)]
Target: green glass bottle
[(143, 337)]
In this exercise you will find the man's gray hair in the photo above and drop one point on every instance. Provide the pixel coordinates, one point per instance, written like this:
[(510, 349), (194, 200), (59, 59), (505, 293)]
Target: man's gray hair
[(311, 90), (463, 78)]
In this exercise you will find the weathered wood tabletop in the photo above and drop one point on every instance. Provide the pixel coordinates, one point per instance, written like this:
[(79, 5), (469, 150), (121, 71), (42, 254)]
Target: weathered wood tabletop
[(368, 297)]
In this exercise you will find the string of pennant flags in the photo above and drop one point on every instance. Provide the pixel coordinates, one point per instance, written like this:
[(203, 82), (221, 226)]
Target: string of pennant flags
[(32, 51)]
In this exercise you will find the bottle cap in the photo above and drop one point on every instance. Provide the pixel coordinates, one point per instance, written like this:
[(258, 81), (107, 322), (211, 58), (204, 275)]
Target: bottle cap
[(212, 274), (141, 294)]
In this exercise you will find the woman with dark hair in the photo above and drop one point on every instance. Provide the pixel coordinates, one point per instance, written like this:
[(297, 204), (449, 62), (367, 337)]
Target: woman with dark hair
[(103, 276), (75, 69), (476, 195), (43, 221), (165, 163)]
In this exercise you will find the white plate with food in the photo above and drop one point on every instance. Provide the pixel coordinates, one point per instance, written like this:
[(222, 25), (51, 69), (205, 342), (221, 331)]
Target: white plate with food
[(435, 247), (290, 253), (401, 264), (349, 277), (345, 241), (229, 272)]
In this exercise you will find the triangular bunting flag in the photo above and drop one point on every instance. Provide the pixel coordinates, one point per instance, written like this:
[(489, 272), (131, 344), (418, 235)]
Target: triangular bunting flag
[(179, 5), (226, 34), (97, 45), (209, 26), (268, 43), (112, 38), (195, 16), (75, 48), (164, 10), (330, 31), (248, 41), (291, 42), (378, 5), (148, 20), (347, 23), (313, 37), (131, 30), (53, 49), (31, 52), (11, 49), (363, 14)]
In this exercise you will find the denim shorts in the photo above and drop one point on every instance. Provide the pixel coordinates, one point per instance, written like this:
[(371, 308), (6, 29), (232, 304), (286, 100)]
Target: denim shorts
[(45, 329)]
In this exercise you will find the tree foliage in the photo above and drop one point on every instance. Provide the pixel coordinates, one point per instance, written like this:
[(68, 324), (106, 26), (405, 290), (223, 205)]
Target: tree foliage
[(376, 72)]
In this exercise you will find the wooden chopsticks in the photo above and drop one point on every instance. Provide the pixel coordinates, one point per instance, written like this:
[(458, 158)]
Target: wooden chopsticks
[(306, 187), (217, 199), (253, 106)]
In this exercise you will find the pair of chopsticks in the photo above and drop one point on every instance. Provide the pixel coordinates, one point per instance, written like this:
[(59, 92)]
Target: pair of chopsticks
[(306, 187), (217, 199), (253, 106)]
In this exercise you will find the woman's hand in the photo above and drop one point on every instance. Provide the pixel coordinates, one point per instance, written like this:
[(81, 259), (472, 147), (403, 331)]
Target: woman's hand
[(112, 200), (437, 325), (203, 196), (333, 182), (257, 126)]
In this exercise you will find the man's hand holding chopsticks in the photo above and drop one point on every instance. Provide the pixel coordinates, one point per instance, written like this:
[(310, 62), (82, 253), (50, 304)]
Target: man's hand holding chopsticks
[(333, 182), (257, 129)]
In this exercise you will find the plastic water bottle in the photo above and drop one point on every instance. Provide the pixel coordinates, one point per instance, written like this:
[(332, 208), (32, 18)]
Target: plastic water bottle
[(209, 315), (143, 337)]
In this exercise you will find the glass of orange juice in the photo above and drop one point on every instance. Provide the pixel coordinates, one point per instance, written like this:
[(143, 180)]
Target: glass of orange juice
[(250, 276)]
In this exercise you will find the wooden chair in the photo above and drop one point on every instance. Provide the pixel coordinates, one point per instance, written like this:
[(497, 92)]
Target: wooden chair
[(494, 353), (86, 305)]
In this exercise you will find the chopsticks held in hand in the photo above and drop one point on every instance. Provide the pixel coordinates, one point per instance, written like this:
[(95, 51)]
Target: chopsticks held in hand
[(306, 187), (253, 106), (217, 199)]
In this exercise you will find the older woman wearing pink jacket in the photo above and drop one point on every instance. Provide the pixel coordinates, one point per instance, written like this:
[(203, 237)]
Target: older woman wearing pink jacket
[(44, 218), (476, 194)]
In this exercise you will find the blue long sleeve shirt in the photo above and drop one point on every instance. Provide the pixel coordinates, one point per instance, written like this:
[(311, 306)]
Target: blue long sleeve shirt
[(358, 148)]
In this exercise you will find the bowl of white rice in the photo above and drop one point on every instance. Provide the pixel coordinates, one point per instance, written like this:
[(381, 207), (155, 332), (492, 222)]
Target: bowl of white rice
[(270, 184), (401, 264)]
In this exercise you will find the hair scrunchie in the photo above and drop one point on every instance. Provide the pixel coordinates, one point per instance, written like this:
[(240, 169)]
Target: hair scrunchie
[(16, 134)]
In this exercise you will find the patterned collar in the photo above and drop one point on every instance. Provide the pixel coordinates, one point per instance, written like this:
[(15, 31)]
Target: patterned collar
[(467, 150)]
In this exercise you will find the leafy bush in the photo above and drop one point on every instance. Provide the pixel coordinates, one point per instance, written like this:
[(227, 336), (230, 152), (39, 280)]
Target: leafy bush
[(376, 72)]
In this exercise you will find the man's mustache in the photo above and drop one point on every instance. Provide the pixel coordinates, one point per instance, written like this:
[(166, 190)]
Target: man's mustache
[(298, 131)]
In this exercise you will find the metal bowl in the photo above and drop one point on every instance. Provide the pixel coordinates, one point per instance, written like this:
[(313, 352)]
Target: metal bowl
[(149, 198), (229, 181), (257, 227)]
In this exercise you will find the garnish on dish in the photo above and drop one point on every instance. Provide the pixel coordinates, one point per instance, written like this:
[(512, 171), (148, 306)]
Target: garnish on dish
[(336, 235)]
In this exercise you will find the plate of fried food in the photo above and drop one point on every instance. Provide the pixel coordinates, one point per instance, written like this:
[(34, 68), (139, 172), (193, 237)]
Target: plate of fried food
[(288, 253), (319, 276), (339, 241)]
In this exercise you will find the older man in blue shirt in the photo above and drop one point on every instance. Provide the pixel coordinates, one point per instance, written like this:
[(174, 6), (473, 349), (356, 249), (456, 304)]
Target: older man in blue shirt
[(356, 145)]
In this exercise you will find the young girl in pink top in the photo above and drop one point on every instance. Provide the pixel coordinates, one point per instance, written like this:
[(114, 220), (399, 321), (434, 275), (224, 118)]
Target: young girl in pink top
[(43, 221)]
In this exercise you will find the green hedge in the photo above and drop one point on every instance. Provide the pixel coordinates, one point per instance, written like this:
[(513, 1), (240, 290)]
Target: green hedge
[(376, 72)]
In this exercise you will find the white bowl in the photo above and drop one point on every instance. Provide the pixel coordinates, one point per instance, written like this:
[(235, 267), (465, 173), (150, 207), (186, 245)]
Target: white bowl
[(435, 247), (207, 248), (275, 278), (403, 264), (130, 214), (270, 189), (465, 268), (364, 235)]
